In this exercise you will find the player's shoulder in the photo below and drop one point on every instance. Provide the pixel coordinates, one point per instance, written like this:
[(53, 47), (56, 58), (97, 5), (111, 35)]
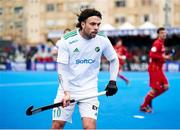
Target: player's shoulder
[(70, 34), (101, 34), (157, 42), (102, 37)]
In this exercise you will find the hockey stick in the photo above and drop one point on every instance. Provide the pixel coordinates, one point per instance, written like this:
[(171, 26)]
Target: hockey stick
[(51, 41), (30, 110)]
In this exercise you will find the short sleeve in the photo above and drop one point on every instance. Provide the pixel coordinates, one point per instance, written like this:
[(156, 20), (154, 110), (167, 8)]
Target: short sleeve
[(63, 54)]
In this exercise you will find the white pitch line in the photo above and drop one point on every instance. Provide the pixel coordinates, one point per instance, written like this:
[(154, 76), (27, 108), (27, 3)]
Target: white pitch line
[(138, 116)]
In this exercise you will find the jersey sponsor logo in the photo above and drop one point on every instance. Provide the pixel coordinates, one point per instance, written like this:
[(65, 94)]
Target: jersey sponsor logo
[(85, 61), (76, 50), (97, 49)]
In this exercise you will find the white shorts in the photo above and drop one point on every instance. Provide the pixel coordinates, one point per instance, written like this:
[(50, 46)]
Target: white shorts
[(87, 108)]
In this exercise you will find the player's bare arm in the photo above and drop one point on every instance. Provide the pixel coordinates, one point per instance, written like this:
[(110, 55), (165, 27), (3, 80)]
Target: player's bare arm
[(64, 83)]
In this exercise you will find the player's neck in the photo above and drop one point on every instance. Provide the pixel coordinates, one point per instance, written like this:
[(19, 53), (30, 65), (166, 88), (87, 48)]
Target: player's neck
[(161, 39), (84, 35)]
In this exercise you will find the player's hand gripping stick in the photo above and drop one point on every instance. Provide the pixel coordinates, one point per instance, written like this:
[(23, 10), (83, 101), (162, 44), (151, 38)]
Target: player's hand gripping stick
[(111, 88)]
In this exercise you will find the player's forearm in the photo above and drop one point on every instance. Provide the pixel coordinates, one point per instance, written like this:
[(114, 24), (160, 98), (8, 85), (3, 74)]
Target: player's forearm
[(62, 75), (167, 57), (114, 68)]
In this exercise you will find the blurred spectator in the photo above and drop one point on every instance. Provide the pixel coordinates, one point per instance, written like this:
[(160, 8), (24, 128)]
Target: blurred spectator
[(30, 52), (143, 55), (19, 54), (49, 57), (66, 30), (43, 55), (54, 51), (137, 52)]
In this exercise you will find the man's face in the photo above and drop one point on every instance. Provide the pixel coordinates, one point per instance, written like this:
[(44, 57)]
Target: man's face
[(162, 34), (90, 26), (119, 43)]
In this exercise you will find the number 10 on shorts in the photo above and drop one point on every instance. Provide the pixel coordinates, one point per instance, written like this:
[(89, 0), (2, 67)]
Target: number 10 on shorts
[(56, 112)]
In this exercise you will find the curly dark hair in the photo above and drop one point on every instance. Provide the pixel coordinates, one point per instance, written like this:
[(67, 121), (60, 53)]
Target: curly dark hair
[(86, 14)]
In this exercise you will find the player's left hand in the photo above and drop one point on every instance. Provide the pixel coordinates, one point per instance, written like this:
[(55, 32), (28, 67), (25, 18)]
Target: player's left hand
[(111, 88), (66, 99)]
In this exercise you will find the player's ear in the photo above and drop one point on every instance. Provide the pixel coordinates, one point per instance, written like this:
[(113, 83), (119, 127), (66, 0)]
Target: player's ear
[(82, 24)]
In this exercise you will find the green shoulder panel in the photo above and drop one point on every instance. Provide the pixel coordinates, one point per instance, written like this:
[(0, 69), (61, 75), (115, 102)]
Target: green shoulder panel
[(101, 33), (70, 34)]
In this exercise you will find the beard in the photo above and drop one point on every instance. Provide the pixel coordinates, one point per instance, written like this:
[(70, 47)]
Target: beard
[(89, 35), (93, 34)]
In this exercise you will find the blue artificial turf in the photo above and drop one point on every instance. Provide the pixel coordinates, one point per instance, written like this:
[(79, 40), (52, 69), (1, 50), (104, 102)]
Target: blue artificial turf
[(19, 90)]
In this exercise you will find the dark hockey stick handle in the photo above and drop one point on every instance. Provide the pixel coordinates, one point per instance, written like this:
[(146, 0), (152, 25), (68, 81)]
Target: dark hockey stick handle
[(30, 110), (51, 41)]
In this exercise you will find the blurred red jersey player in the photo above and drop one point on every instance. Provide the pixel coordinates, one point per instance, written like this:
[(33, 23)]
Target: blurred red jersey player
[(158, 81), (122, 55)]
